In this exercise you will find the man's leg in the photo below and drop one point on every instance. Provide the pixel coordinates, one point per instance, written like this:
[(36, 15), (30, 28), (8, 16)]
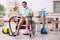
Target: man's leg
[(27, 24), (19, 25)]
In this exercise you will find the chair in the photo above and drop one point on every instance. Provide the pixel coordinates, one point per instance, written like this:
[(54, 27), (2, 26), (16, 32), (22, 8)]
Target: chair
[(54, 22), (37, 19), (31, 26), (50, 20)]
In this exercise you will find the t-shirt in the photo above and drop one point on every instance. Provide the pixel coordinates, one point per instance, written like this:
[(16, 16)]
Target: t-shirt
[(25, 11)]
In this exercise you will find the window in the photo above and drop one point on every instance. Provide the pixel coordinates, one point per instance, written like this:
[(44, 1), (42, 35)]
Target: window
[(56, 6)]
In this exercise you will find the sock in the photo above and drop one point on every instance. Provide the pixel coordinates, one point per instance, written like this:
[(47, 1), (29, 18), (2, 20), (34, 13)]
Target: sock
[(27, 30)]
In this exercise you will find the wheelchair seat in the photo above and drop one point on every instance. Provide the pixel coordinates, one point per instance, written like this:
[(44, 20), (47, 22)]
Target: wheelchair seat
[(23, 26)]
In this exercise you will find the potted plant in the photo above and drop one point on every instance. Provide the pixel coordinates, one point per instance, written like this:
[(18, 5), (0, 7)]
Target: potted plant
[(2, 10), (1, 15)]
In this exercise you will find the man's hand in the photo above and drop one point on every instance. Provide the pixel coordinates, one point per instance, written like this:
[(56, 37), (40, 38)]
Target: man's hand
[(21, 16), (31, 13)]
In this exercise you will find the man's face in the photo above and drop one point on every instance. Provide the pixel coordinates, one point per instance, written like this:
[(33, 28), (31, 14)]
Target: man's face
[(24, 5)]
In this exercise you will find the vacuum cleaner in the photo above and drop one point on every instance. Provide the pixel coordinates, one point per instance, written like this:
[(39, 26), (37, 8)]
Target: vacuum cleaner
[(43, 29), (5, 30)]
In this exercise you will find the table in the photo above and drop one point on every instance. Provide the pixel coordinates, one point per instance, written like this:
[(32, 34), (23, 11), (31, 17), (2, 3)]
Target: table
[(55, 16)]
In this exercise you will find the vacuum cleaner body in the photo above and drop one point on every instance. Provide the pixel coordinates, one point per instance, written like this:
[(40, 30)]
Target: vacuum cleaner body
[(43, 29), (5, 30)]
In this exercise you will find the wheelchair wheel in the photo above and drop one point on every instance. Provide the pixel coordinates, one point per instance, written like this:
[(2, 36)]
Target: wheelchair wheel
[(30, 35)]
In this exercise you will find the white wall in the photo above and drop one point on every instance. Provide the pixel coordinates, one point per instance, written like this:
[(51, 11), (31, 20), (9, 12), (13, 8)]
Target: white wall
[(36, 4)]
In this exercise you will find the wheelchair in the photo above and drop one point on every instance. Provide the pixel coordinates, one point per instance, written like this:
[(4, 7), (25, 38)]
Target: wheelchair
[(16, 20)]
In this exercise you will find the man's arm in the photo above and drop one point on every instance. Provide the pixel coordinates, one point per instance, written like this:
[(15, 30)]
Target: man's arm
[(32, 14)]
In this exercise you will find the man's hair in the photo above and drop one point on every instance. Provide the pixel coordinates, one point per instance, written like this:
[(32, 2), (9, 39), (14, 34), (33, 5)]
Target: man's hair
[(24, 2)]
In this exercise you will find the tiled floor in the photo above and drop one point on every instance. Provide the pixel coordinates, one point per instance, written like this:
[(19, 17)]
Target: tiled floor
[(52, 35)]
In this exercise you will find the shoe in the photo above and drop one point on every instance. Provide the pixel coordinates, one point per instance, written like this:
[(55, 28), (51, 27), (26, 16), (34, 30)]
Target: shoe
[(15, 34), (26, 33)]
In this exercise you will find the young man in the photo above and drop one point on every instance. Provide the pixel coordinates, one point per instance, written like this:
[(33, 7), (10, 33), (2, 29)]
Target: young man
[(25, 11)]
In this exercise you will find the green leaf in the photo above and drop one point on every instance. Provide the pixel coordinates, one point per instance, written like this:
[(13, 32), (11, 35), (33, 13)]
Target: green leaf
[(2, 10)]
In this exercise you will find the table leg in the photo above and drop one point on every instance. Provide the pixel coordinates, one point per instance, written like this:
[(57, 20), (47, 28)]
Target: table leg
[(56, 23), (36, 28)]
